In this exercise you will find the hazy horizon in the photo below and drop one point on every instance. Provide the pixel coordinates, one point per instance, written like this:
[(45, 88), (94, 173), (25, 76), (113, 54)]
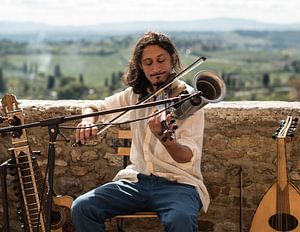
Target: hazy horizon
[(92, 12)]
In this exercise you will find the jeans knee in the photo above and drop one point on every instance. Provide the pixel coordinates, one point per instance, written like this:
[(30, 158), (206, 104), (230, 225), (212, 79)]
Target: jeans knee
[(78, 207), (180, 221)]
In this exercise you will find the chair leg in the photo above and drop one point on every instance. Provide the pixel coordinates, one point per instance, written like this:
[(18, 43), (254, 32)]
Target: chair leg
[(120, 225)]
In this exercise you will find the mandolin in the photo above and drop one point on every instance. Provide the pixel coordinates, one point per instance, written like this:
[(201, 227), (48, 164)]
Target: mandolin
[(30, 185), (279, 209)]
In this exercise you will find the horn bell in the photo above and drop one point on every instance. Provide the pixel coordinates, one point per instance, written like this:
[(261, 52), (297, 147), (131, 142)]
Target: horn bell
[(213, 88)]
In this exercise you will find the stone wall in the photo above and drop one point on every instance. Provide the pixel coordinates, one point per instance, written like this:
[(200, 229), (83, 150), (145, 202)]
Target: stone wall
[(238, 149)]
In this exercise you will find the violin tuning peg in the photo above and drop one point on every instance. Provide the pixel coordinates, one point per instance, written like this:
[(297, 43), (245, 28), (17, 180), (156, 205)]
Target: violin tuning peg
[(174, 127), (172, 121)]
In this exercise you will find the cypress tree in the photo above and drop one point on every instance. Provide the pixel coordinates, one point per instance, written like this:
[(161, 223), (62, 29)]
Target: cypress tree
[(2, 82)]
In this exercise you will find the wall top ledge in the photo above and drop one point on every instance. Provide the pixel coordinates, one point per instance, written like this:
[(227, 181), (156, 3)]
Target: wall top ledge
[(255, 104), (223, 104)]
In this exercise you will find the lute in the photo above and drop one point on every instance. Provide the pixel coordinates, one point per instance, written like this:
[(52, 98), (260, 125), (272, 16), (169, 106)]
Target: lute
[(279, 209)]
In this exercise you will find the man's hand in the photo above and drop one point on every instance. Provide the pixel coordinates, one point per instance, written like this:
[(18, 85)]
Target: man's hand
[(155, 125), (82, 134)]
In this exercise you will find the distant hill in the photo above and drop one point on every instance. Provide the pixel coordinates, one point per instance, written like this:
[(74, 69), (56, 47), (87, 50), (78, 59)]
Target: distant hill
[(217, 24)]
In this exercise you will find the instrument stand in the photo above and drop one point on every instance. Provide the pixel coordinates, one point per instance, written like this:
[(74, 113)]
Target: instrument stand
[(3, 173), (53, 131), (241, 198)]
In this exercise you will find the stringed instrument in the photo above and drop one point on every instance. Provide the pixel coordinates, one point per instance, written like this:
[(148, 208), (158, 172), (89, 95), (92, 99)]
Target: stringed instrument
[(30, 185), (279, 210)]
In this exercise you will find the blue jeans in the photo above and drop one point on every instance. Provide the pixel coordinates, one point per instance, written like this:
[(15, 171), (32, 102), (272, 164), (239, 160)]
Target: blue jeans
[(177, 205)]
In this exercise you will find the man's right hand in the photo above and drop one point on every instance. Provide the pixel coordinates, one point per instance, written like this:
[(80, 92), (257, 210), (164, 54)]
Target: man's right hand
[(82, 134)]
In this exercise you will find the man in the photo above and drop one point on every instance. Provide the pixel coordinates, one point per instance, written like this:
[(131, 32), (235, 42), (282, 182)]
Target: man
[(164, 175)]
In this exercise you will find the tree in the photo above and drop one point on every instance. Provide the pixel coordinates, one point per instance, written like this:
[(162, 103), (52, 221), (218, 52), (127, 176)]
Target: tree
[(115, 81), (66, 81), (296, 65), (57, 71), (81, 79), (295, 93), (106, 82), (2, 82), (266, 80), (73, 91), (51, 82), (25, 68)]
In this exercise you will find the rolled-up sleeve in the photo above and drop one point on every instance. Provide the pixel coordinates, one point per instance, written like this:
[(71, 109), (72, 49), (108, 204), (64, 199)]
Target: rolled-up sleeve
[(190, 133), (115, 101)]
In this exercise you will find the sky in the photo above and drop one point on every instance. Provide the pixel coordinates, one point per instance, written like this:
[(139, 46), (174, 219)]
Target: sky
[(92, 12)]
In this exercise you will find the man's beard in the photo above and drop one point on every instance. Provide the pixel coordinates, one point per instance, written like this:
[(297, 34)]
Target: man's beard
[(159, 84)]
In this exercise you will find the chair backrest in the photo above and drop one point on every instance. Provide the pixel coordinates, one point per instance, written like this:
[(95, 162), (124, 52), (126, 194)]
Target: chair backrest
[(124, 150)]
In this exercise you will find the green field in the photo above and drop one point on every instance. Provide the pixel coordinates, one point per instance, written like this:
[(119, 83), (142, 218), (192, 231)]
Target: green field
[(241, 58)]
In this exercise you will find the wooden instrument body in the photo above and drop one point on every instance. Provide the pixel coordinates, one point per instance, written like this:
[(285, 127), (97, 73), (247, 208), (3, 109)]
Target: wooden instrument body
[(30, 184), (279, 209), (267, 208)]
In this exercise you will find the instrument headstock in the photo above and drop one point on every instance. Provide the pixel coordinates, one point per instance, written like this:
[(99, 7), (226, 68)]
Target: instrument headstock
[(9, 103), (286, 128), (14, 116)]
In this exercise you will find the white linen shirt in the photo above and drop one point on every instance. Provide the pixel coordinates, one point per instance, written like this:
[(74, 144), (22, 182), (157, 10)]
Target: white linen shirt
[(148, 155)]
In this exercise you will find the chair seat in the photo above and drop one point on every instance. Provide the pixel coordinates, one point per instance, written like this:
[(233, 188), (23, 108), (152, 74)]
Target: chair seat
[(138, 215)]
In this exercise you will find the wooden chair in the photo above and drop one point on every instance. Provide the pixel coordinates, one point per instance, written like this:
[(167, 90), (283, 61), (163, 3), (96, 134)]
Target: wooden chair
[(124, 151)]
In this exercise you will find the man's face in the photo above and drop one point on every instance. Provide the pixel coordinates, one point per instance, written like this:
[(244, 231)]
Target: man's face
[(157, 65)]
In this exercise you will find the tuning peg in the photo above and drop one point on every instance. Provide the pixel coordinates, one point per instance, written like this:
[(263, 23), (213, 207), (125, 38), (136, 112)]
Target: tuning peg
[(275, 135), (294, 124), (172, 121), (282, 122), (20, 213), (23, 226), (3, 119), (16, 134), (14, 121), (21, 219)]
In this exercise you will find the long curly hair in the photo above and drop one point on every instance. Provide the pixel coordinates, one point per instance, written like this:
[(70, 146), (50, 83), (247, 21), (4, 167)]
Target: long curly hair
[(135, 76)]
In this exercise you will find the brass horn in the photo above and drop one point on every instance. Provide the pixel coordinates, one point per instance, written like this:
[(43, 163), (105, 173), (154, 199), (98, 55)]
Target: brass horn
[(212, 88)]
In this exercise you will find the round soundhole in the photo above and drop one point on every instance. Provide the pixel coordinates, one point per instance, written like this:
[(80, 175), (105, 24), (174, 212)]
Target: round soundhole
[(283, 222), (56, 219)]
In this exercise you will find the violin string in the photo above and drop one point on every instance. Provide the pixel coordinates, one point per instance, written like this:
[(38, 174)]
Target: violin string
[(120, 123)]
